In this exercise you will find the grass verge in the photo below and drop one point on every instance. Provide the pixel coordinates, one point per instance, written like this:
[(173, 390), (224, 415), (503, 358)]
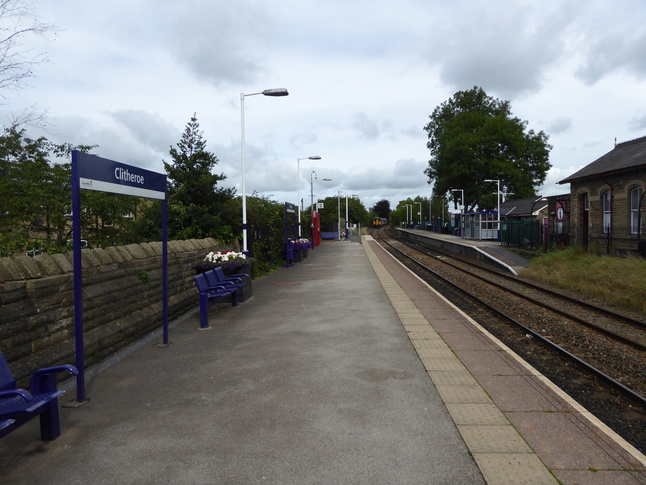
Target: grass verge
[(618, 281)]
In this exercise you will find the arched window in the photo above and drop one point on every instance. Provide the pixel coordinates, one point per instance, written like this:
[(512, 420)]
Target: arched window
[(606, 207), (635, 198)]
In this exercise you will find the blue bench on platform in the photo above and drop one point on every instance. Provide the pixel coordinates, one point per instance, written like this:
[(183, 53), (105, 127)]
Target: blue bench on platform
[(209, 293), (17, 406), (214, 278)]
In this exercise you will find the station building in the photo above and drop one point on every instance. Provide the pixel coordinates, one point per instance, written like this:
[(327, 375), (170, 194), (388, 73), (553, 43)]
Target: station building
[(606, 201)]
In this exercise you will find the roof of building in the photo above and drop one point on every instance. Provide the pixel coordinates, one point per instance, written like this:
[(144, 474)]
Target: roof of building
[(522, 207), (628, 155)]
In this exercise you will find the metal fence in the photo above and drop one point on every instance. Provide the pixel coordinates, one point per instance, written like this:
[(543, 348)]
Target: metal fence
[(521, 234)]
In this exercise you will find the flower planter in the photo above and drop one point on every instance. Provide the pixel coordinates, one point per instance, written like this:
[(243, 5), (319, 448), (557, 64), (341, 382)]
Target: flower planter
[(232, 264)]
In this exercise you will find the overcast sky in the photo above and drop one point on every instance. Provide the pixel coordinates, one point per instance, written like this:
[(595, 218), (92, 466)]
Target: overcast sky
[(363, 77)]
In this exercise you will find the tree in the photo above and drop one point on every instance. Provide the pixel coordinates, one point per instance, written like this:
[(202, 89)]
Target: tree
[(18, 21), (195, 203), (473, 137), (329, 215), (36, 202), (382, 208)]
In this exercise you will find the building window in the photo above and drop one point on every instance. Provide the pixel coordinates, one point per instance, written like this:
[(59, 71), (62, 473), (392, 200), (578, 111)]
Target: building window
[(606, 207), (635, 223)]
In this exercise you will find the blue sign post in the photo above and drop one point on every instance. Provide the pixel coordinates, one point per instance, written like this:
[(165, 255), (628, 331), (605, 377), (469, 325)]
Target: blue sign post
[(90, 172)]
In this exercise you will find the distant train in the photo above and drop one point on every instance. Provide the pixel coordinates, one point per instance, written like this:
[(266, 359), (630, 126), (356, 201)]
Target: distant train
[(379, 221)]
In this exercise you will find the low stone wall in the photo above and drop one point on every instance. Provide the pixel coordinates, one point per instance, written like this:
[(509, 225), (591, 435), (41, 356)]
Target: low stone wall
[(122, 301)]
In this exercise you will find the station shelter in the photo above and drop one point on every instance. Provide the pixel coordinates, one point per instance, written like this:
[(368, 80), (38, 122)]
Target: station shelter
[(480, 225)]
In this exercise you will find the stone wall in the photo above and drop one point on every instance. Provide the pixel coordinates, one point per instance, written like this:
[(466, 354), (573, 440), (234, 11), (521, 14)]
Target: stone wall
[(122, 301)]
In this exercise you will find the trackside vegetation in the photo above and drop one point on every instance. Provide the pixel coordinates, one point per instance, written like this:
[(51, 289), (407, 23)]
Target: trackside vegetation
[(620, 282)]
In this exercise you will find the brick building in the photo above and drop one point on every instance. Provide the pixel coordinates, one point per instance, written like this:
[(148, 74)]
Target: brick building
[(606, 201)]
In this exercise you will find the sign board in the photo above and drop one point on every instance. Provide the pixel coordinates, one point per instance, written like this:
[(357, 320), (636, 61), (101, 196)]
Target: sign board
[(103, 175), (560, 210), (90, 172), (320, 205)]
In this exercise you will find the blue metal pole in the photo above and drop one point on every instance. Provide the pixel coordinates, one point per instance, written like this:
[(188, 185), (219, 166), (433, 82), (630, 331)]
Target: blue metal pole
[(78, 279), (165, 267)]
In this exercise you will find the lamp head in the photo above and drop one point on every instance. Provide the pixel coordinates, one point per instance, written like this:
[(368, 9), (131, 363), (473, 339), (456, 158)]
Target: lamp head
[(314, 157), (276, 92)]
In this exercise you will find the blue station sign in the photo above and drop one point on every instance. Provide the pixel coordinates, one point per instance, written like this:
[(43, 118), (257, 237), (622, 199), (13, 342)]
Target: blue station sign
[(103, 175)]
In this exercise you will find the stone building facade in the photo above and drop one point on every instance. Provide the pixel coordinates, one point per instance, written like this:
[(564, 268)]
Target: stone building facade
[(607, 199)]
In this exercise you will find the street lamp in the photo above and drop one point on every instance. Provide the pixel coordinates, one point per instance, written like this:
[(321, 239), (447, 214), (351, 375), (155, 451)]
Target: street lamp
[(346, 217), (298, 185), (441, 197), (420, 212), (313, 191), (338, 206), (266, 92), (498, 195)]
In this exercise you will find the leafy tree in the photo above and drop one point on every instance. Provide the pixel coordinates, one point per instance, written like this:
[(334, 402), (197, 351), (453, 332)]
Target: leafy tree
[(329, 216), (473, 137), (266, 232), (195, 203), (382, 208), (35, 209), (18, 21)]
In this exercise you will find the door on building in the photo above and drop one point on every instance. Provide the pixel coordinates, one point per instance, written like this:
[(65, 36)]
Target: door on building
[(584, 208)]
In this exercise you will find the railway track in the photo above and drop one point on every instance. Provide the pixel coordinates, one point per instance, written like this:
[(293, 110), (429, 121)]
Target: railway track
[(617, 326), (595, 354)]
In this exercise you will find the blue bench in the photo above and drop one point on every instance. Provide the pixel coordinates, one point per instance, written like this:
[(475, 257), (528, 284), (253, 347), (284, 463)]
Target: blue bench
[(210, 293), (17, 406), (214, 278)]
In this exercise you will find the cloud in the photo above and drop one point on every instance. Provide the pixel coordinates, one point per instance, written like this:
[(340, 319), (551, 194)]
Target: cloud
[(221, 42), (366, 127), (615, 52), (303, 138), (149, 129), (506, 47), (559, 125), (638, 123)]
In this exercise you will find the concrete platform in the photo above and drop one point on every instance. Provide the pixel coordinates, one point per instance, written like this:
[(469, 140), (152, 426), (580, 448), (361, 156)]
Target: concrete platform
[(311, 381), (345, 369), (484, 250)]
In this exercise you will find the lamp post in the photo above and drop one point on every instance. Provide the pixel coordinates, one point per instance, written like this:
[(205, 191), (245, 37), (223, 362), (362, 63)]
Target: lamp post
[(346, 216), (315, 223), (313, 191), (498, 196), (298, 185), (531, 215), (315, 177), (266, 92), (338, 206), (420, 212), (441, 197)]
